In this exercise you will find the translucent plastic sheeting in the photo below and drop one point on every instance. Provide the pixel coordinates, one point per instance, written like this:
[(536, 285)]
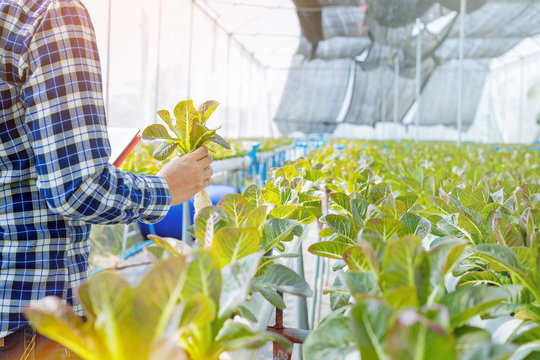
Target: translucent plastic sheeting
[(335, 48), (439, 96), (157, 58), (407, 66), (438, 22), (351, 21), (268, 29), (476, 48), (318, 19), (514, 100), (313, 95), (472, 5), (378, 55), (312, 4), (506, 20), (502, 18)]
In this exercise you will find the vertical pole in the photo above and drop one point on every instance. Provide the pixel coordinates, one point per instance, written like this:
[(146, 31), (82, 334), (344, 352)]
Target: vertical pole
[(382, 96), (214, 50), (249, 99), (190, 47), (241, 95), (109, 30), (506, 136), (186, 213), (278, 351), (268, 99), (396, 94), (315, 282), (301, 302), (463, 9), (325, 263), (125, 237), (418, 78), (186, 223), (521, 100), (158, 64), (228, 87)]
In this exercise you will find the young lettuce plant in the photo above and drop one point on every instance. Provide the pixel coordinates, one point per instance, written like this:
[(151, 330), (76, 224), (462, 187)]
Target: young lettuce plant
[(184, 309), (189, 133)]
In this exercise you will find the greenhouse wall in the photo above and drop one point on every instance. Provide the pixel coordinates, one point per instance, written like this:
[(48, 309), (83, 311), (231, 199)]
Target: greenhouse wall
[(147, 66)]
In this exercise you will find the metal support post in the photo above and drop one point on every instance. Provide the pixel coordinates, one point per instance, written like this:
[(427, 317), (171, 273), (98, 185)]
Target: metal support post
[(522, 92), (186, 223), (107, 85), (268, 98), (190, 46), (296, 336), (214, 49), (396, 94), (418, 78), (463, 10), (125, 236), (158, 62), (301, 312), (228, 88), (242, 98), (318, 272), (249, 101), (322, 271), (315, 282)]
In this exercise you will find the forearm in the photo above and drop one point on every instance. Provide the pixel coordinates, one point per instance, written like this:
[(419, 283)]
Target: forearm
[(111, 196)]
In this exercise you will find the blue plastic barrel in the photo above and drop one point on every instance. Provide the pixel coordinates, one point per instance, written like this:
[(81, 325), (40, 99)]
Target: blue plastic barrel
[(171, 225)]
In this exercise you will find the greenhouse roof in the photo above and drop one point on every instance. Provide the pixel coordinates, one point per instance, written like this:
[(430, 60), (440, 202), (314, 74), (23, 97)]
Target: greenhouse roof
[(254, 24), (341, 53)]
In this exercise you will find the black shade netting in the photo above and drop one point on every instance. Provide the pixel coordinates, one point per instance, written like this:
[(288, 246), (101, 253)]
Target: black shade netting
[(313, 94), (440, 94)]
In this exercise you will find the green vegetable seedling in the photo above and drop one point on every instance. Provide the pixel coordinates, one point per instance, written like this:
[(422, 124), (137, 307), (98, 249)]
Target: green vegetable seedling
[(189, 133)]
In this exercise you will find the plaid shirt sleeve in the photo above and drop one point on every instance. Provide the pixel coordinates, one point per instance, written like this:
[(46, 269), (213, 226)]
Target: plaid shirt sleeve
[(66, 124)]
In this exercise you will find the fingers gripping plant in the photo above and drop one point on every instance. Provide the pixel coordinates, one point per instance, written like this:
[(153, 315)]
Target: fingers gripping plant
[(189, 133)]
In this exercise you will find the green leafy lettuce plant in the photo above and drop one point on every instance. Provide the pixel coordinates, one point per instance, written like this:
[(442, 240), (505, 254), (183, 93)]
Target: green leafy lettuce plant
[(183, 308), (189, 132)]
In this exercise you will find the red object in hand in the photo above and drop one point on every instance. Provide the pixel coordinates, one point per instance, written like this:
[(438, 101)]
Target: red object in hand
[(126, 152)]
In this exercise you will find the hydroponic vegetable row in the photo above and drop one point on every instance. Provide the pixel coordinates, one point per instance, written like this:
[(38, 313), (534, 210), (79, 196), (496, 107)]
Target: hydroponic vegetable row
[(435, 249), (141, 161)]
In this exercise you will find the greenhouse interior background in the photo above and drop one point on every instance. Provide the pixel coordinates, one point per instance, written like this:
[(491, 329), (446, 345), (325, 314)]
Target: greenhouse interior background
[(375, 191), (282, 67)]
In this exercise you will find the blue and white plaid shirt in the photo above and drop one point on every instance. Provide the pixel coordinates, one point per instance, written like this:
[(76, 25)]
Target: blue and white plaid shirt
[(55, 179)]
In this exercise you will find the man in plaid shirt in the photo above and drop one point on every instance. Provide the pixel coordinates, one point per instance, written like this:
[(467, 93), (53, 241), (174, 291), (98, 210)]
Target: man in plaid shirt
[(55, 179)]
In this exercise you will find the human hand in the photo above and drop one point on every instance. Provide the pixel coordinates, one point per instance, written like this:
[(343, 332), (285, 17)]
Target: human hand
[(187, 175)]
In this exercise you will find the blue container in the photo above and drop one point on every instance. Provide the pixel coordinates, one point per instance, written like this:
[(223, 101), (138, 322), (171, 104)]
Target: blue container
[(171, 225)]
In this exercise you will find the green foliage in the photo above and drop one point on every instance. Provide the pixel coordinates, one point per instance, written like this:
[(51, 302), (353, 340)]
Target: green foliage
[(403, 219), (428, 240), (181, 308), (188, 128)]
